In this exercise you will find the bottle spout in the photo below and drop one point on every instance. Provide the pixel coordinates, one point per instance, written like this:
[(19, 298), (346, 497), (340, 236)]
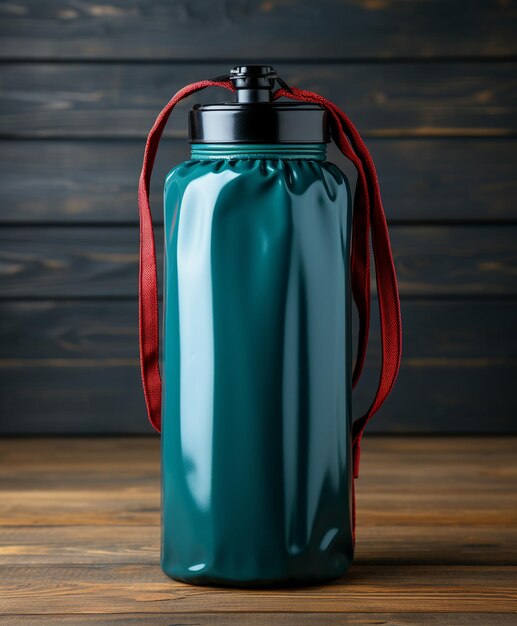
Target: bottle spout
[(253, 83)]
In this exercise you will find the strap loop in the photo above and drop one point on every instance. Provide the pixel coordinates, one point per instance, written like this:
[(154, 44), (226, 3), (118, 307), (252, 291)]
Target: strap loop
[(368, 217), (147, 280)]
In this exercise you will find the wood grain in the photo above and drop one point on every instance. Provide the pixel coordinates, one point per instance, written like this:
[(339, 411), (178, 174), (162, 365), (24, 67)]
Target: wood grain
[(82, 100), (436, 542), (144, 29), (144, 588), (114, 482), (91, 181), (258, 619), (383, 544), (90, 261)]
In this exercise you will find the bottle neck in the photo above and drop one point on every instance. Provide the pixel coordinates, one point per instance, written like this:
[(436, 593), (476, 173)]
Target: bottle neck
[(287, 151)]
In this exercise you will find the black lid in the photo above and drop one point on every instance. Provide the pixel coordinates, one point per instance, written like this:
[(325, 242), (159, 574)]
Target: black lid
[(254, 117)]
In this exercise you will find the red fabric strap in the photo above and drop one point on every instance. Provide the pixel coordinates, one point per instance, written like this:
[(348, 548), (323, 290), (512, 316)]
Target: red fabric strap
[(368, 217), (147, 279)]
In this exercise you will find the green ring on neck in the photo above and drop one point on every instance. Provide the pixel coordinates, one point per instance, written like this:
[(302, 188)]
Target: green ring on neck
[(231, 152)]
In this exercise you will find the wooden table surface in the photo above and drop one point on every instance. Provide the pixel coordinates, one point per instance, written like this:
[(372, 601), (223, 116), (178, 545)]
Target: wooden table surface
[(436, 541)]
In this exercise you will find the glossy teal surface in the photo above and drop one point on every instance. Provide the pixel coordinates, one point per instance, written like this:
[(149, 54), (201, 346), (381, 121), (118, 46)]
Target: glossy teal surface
[(256, 462)]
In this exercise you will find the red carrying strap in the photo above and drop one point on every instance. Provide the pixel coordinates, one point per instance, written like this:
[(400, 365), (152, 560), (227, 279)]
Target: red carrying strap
[(368, 216), (149, 336)]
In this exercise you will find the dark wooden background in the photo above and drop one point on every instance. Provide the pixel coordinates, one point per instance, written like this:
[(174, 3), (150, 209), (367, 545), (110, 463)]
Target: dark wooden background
[(431, 84)]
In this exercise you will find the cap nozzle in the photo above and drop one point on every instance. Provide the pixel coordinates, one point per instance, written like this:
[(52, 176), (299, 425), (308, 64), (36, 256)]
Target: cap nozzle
[(253, 83)]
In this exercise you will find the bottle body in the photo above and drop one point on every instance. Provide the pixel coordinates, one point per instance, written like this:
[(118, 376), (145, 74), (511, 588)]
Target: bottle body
[(256, 418)]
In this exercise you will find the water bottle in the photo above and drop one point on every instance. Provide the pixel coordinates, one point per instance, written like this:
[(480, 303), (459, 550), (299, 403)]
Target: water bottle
[(259, 450)]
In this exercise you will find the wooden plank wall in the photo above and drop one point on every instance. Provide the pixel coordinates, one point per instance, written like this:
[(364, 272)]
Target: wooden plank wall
[(432, 86)]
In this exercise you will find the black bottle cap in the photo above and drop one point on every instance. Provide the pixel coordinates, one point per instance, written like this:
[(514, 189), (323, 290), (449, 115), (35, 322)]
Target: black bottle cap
[(254, 117)]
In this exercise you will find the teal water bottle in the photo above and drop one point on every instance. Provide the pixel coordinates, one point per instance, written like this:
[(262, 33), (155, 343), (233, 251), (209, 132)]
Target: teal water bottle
[(257, 441)]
